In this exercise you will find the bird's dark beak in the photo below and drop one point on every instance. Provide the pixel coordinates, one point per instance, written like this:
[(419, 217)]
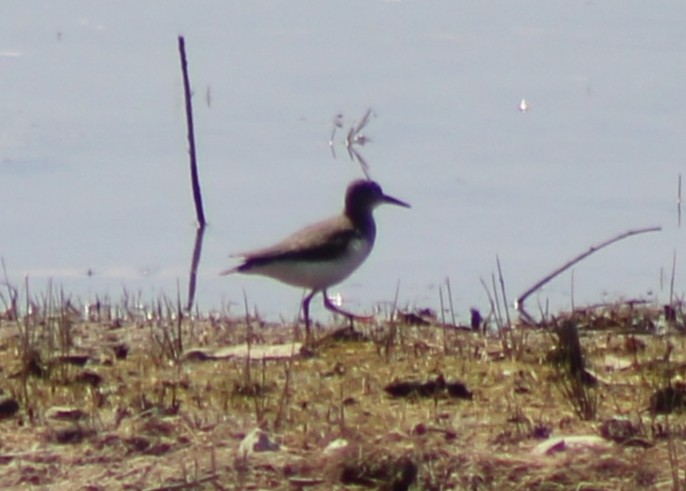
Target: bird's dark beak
[(394, 201)]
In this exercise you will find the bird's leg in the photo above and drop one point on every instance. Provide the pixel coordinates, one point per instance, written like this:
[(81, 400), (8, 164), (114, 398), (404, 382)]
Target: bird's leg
[(306, 314), (334, 308)]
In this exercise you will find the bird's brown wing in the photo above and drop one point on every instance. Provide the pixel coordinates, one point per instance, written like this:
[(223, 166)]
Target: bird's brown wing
[(319, 242)]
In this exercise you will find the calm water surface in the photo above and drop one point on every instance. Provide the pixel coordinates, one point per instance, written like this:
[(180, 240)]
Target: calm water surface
[(93, 156)]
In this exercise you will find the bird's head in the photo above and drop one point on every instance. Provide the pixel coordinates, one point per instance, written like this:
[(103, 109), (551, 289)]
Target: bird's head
[(364, 196)]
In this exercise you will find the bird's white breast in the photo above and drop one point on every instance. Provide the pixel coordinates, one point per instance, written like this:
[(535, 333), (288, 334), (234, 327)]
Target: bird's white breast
[(318, 275)]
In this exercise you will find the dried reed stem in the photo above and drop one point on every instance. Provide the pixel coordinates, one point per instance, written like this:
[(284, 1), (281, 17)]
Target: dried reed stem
[(195, 181), (519, 303)]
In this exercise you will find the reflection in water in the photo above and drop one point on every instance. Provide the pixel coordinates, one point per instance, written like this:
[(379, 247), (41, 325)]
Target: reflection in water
[(195, 261), (354, 138)]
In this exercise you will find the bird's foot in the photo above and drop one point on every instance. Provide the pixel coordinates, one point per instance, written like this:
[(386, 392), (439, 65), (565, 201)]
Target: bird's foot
[(351, 317), (365, 319)]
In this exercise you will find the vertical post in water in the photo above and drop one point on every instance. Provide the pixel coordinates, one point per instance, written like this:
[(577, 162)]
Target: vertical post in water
[(195, 181)]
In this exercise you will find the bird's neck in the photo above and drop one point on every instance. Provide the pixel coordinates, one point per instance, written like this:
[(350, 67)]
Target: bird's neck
[(363, 221)]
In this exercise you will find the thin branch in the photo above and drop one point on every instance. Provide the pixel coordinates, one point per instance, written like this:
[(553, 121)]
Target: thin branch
[(248, 325), (519, 303), (499, 315), (671, 281), (450, 301), (502, 290), (571, 284), (440, 299), (394, 307), (195, 181), (490, 301)]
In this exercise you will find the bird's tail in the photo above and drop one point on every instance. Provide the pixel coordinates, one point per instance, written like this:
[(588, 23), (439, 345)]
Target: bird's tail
[(228, 271), (235, 269)]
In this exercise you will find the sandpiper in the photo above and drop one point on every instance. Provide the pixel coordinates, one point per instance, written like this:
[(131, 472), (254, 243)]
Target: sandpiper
[(325, 253)]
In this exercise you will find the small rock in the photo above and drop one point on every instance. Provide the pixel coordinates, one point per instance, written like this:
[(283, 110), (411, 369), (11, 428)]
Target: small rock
[(71, 433), (569, 443), (121, 350), (541, 431), (8, 407), (89, 377), (459, 390), (619, 429), (257, 441), (197, 354), (419, 429), (335, 446), (78, 360), (431, 388), (65, 413), (158, 449), (402, 389), (137, 443)]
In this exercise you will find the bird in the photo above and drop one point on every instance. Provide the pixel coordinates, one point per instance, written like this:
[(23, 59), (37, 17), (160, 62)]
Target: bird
[(325, 253)]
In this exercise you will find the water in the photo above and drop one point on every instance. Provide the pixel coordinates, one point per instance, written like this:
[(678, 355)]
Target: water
[(93, 156)]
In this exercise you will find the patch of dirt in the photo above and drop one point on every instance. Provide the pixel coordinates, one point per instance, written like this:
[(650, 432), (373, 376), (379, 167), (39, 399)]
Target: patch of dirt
[(154, 404)]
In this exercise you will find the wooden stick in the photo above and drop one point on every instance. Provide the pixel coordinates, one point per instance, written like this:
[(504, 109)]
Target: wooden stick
[(502, 290), (195, 181), (519, 303), (671, 281), (497, 301), (450, 300), (491, 302)]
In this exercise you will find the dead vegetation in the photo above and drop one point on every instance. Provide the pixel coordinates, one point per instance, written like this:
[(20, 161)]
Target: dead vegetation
[(105, 398)]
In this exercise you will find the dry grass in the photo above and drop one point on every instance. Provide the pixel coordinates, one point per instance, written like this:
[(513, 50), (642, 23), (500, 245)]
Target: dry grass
[(150, 419)]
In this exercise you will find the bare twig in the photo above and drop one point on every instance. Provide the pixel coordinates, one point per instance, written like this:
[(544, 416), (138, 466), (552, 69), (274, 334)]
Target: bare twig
[(519, 303), (502, 290), (248, 327), (394, 306), (671, 281), (450, 301), (452, 316), (497, 302), (11, 305), (283, 400), (195, 181), (490, 301), (673, 456), (440, 299), (179, 321)]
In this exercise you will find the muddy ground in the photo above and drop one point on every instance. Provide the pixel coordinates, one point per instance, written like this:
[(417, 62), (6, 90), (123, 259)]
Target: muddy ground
[(148, 402)]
